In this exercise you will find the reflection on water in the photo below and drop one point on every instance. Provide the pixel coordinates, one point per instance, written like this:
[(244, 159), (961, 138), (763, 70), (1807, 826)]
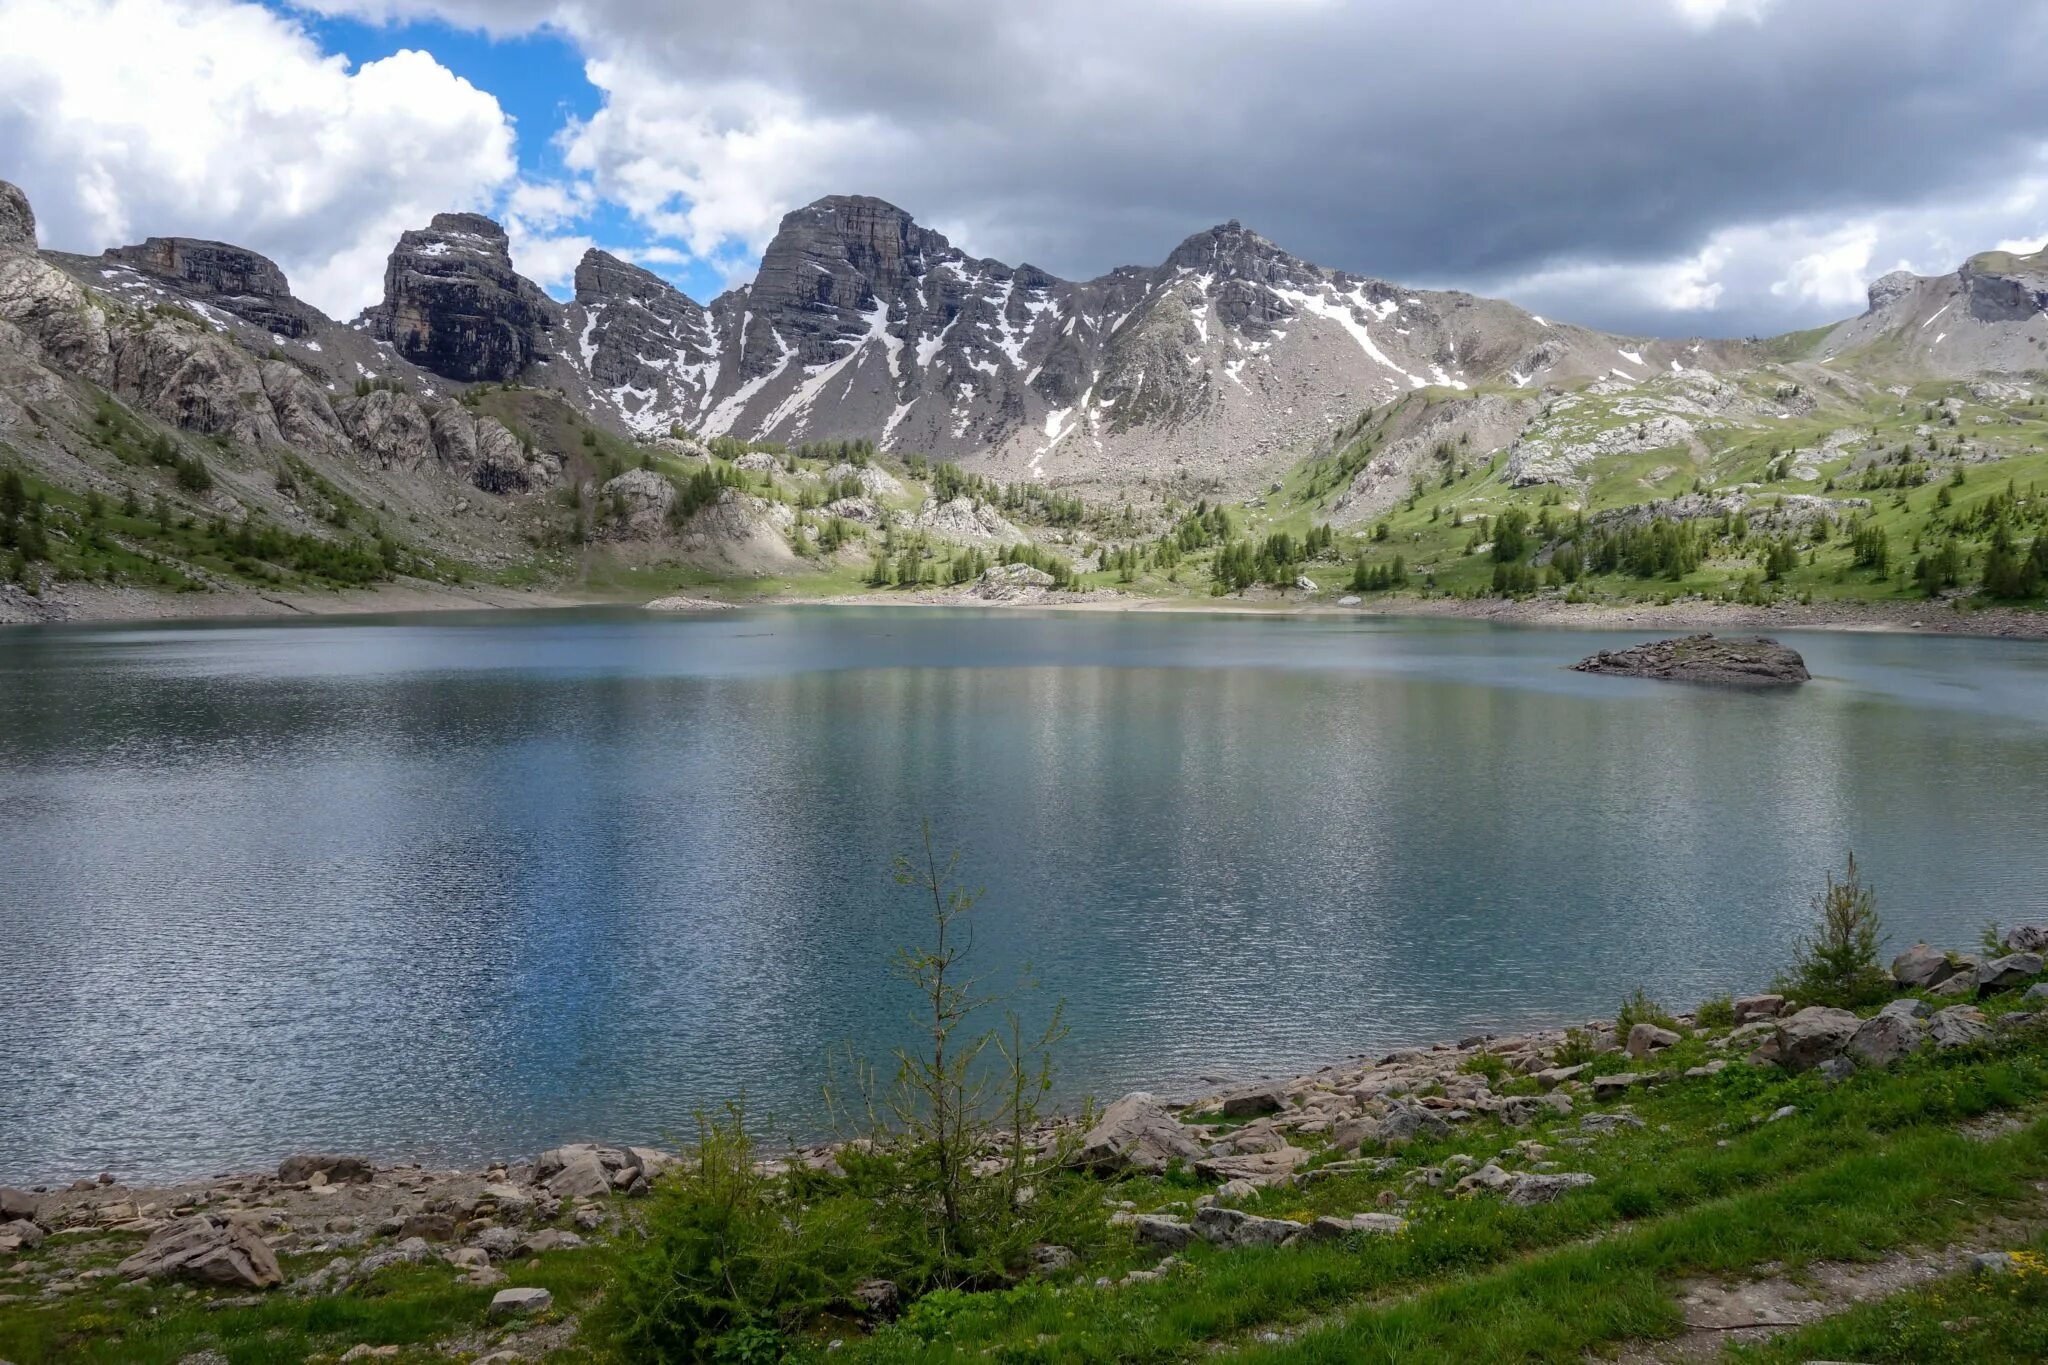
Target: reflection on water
[(453, 887)]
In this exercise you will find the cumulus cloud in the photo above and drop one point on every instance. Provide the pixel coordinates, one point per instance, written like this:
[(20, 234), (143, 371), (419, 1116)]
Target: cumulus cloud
[(214, 118)]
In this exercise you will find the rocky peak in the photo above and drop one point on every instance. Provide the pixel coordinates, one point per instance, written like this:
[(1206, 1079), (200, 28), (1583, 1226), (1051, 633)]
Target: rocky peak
[(1233, 251), (471, 225), (454, 305), (239, 280), (2005, 287), (1888, 289), (17, 219), (630, 325)]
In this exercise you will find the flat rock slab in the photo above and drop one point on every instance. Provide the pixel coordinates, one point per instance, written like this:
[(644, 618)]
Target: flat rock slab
[(1742, 661)]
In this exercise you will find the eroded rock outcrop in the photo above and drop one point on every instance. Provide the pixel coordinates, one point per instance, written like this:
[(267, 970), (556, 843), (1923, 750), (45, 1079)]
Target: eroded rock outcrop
[(1749, 662), (454, 305)]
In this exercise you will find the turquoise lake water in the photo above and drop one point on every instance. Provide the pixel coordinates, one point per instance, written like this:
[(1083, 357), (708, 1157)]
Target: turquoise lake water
[(460, 886)]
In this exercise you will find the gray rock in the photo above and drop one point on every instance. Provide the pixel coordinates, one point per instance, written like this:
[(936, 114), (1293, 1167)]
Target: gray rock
[(523, 1302), (583, 1177), (1911, 1009), (1752, 662), (1235, 1228), (1255, 1101), (1961, 986), (498, 1243), (1158, 1230), (1956, 1026), (1750, 1008), (18, 1203), (1991, 1263), (207, 1250), (2036, 993), (1645, 1039), (1834, 1070), (17, 219), (1336, 1229), (1884, 1039), (1552, 1077), (549, 1239), (2008, 972), (877, 1298), (1810, 1037), (19, 1234), (1136, 1133), (1617, 1083), (1607, 1123), (1922, 968), (339, 1170), (2026, 938), (1545, 1187), (1049, 1259)]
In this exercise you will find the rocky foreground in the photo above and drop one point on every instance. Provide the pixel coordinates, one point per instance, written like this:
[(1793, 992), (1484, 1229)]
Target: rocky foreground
[(1754, 661), (325, 1224)]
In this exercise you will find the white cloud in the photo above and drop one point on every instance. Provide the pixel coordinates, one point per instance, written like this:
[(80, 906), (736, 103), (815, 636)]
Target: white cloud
[(712, 163), (214, 118), (1836, 273), (1707, 13)]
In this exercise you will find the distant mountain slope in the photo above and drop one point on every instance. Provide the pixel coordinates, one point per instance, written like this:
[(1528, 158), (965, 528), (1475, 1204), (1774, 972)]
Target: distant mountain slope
[(1989, 318)]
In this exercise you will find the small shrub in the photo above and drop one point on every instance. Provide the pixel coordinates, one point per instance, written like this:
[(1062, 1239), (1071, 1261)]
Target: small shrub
[(1491, 1065), (1577, 1049), (1837, 964), (724, 1259), (1639, 1008), (1718, 1012)]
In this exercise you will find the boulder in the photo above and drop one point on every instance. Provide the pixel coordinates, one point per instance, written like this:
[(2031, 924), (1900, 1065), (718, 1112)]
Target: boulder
[(1136, 1133), (1750, 1008), (877, 1298), (1164, 1233), (207, 1250), (519, 1303), (1260, 1168), (2036, 993), (1644, 1039), (1254, 1102), (2026, 938), (430, 1227), (1235, 1228), (2008, 972), (17, 1203), (1333, 1229), (1956, 1026), (549, 1239), (1921, 968), (1885, 1038), (1552, 1077), (1961, 986), (1402, 1123), (1750, 662), (339, 1170), (1810, 1037), (19, 1234), (1619, 1083), (1910, 1008), (1542, 1187)]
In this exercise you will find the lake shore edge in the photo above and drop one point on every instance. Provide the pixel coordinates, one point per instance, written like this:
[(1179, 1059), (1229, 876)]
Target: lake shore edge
[(85, 604)]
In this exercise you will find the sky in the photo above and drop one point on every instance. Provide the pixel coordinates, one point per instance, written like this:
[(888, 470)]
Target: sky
[(1663, 167)]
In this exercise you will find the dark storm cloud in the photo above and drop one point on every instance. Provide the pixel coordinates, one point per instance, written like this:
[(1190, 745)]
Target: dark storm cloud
[(1486, 143)]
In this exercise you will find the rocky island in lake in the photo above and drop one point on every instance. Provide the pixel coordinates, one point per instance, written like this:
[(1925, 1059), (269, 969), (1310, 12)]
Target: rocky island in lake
[(1752, 661)]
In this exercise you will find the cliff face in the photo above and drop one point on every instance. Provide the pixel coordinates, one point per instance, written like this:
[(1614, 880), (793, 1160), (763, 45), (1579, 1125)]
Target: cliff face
[(454, 305), (237, 279)]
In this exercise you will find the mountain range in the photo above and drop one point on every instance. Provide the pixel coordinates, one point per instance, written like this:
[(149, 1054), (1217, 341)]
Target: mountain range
[(466, 393)]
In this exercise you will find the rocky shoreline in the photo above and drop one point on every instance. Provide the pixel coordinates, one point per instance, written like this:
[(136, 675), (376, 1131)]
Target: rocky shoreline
[(348, 1216), (68, 602)]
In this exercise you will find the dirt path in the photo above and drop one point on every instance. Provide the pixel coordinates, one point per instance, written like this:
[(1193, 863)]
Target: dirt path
[(1723, 1312)]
